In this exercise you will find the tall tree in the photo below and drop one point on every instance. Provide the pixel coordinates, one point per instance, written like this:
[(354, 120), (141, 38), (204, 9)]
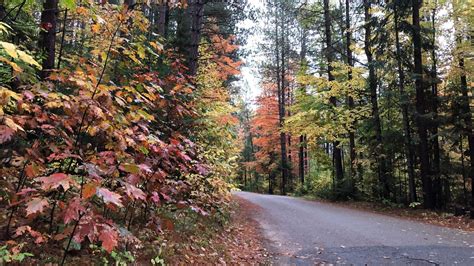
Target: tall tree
[(378, 145), (436, 151), (329, 53), (421, 107), (281, 57), (350, 99), (467, 117), (301, 148), (409, 150)]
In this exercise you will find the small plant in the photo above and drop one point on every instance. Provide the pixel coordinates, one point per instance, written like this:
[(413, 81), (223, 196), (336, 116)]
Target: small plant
[(7, 256), (414, 204), (158, 260), (122, 258), (118, 258)]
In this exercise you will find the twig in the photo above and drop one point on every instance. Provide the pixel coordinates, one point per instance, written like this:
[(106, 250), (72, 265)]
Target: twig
[(70, 238)]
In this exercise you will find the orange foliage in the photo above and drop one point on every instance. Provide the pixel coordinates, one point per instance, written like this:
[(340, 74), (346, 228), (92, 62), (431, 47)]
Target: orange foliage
[(265, 127)]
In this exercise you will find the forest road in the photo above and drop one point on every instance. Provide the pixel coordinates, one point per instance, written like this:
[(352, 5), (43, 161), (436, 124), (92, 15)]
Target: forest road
[(302, 232)]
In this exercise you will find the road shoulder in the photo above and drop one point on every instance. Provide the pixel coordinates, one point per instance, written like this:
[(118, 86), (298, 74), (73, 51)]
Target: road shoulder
[(439, 218)]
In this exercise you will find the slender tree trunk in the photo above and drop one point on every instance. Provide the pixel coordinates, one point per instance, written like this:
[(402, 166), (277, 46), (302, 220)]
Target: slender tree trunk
[(280, 76), (467, 115), (47, 43), (301, 159), (434, 127), (245, 177), (301, 147), (302, 154), (337, 157), (284, 155), (196, 11), (379, 148), (350, 100), (409, 151), (3, 10), (421, 108), (463, 171), (306, 157), (271, 177), (163, 19)]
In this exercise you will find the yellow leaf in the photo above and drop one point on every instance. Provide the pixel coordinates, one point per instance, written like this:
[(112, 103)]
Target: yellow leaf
[(15, 67), (141, 52), (28, 59), (95, 28), (10, 48), (130, 168), (11, 124), (4, 92)]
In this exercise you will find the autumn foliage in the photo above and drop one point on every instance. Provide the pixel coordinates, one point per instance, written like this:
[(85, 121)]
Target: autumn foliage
[(103, 150)]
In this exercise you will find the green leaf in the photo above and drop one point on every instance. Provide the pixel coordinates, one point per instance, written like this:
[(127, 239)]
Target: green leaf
[(70, 4), (130, 168)]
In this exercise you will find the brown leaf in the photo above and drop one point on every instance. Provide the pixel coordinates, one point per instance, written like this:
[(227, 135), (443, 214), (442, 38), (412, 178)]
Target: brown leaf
[(89, 190)]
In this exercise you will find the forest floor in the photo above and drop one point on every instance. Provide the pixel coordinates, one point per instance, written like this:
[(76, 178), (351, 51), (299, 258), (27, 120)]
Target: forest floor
[(239, 242), (440, 218)]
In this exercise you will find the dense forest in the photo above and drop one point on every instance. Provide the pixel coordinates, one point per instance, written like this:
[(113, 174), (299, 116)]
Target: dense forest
[(125, 125), (365, 100)]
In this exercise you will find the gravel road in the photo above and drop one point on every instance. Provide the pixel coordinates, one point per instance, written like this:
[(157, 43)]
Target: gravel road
[(302, 232)]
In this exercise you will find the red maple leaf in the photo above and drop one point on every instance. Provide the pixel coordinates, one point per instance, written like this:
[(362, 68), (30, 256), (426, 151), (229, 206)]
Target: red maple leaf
[(36, 205), (134, 193), (73, 210), (108, 236), (55, 180), (6, 134), (35, 234), (109, 196)]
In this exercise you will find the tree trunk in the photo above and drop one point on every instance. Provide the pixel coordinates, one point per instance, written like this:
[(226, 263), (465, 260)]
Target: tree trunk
[(421, 108), (196, 10), (3, 10), (163, 19), (434, 127), (245, 177), (350, 100), (409, 151), (337, 157), (306, 159), (379, 148), (467, 115), (271, 178), (47, 43), (301, 147), (282, 102)]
